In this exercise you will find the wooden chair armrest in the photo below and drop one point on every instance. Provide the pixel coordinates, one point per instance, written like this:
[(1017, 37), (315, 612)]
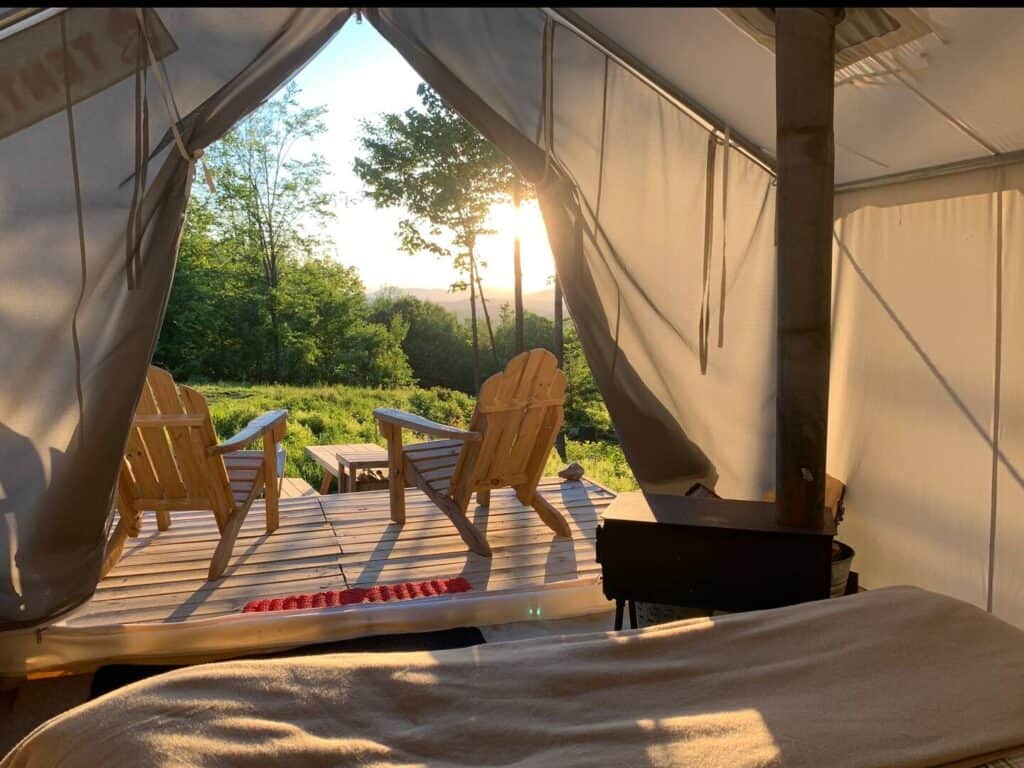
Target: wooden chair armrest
[(270, 423), (424, 426)]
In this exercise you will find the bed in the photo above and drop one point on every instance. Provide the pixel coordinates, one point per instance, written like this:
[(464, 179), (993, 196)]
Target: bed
[(897, 677)]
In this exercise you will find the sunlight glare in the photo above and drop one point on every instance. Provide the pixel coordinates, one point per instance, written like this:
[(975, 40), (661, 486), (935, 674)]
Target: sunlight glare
[(535, 251)]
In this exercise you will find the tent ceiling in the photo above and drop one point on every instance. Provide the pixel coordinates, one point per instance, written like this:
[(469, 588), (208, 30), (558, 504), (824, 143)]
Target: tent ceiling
[(954, 97)]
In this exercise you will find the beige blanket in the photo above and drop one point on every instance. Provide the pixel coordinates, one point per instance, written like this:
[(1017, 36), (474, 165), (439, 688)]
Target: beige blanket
[(894, 677)]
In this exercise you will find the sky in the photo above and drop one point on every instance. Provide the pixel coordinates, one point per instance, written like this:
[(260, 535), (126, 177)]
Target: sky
[(358, 75)]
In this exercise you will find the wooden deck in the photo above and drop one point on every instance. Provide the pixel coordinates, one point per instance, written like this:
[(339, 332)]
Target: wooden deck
[(339, 541)]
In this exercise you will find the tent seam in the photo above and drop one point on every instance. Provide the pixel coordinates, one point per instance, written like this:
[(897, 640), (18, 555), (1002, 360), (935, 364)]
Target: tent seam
[(996, 395)]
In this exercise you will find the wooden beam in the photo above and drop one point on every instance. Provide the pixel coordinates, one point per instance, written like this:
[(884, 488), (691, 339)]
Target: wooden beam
[(804, 65)]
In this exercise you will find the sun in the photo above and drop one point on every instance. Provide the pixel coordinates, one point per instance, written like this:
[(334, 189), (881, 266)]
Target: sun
[(535, 251)]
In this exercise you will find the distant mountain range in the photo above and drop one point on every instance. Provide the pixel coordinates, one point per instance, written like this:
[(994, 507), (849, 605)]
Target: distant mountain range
[(539, 302)]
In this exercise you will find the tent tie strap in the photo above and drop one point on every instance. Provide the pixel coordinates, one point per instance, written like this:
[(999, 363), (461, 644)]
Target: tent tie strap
[(135, 225), (709, 225), (189, 156), (725, 209), (546, 130)]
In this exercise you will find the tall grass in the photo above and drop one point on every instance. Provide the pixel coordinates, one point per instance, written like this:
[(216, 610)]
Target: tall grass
[(342, 414)]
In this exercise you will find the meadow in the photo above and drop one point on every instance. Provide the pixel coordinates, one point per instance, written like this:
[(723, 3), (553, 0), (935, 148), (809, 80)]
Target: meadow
[(319, 415)]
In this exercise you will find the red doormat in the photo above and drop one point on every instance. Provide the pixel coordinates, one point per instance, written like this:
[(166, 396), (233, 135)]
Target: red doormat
[(381, 593)]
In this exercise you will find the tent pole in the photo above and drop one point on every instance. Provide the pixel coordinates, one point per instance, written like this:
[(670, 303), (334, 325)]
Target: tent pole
[(934, 172), (805, 62)]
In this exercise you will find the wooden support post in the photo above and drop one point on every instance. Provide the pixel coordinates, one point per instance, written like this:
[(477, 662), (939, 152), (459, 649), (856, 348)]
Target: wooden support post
[(396, 471), (804, 64), (270, 487)]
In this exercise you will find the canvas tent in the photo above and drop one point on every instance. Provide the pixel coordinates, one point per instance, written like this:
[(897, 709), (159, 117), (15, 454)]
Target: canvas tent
[(650, 136)]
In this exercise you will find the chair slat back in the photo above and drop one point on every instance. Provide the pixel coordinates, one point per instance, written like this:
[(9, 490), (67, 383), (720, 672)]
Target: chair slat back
[(519, 412), (166, 461)]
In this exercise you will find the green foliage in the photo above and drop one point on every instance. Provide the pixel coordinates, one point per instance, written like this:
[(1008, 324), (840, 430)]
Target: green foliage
[(327, 414), (586, 416), (251, 299), (603, 462), (341, 414), (266, 201), (437, 346), (371, 355), (538, 331)]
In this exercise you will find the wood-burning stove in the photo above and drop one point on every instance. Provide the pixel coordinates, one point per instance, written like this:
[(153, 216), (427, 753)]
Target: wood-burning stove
[(709, 553)]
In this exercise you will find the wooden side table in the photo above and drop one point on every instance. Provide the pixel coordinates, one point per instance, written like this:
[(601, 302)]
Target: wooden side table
[(344, 461)]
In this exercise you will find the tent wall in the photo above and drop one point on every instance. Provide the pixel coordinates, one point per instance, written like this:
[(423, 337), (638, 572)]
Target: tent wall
[(630, 247), (59, 455), (927, 288), (655, 224), (927, 381)]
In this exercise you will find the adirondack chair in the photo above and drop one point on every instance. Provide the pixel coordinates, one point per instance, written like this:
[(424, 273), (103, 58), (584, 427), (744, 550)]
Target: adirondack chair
[(518, 415), (173, 462)]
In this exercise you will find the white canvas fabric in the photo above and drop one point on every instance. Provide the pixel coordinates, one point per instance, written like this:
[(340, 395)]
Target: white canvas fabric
[(967, 70), (914, 390), (59, 454), (925, 360), (636, 198), (633, 277)]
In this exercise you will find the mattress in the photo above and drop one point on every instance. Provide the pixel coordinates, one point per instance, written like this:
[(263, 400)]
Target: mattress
[(899, 677)]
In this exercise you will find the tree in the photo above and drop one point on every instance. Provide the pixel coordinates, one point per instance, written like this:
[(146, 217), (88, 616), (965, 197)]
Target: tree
[(266, 195), (536, 330), (212, 328), (436, 344), (254, 299), (447, 176)]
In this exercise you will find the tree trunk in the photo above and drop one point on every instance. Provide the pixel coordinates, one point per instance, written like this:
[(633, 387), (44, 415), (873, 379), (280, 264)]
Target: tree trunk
[(487, 315), (275, 331), (472, 315), (560, 355), (518, 269), (276, 334)]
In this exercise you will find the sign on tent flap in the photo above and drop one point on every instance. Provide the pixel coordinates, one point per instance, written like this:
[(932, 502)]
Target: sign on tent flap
[(104, 46)]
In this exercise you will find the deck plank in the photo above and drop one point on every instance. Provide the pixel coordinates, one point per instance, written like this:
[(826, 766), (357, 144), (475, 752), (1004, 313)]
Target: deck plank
[(296, 487), (330, 542), (524, 550)]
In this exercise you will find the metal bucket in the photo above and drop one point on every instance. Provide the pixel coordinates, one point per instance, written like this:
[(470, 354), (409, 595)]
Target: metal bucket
[(841, 569)]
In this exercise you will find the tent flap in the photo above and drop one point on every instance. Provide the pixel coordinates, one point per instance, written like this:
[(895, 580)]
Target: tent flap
[(72, 324), (629, 238)]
